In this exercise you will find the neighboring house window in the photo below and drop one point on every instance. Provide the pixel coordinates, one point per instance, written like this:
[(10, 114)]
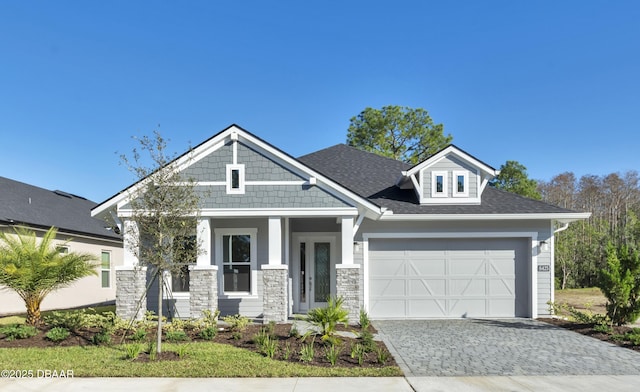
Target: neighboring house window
[(62, 249), (105, 269), (439, 184), (184, 255), (461, 184), (235, 179), (236, 253)]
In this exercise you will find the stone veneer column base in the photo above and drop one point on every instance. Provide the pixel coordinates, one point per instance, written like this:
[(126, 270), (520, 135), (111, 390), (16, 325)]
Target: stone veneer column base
[(131, 283), (275, 293), (203, 289), (348, 287)]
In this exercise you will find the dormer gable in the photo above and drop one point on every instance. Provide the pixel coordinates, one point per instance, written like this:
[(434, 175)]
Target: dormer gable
[(450, 176)]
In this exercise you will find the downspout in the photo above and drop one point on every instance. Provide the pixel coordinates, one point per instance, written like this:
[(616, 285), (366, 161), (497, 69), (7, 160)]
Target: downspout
[(562, 228)]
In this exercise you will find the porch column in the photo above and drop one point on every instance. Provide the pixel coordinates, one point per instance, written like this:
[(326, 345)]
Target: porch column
[(203, 277), (275, 240), (347, 240), (204, 240), (348, 287), (131, 278), (275, 277), (348, 273)]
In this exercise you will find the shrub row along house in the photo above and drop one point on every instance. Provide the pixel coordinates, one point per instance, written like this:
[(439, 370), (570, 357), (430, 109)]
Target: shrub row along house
[(38, 209), (280, 234)]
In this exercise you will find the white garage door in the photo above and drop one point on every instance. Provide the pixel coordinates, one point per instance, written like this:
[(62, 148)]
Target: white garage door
[(431, 278)]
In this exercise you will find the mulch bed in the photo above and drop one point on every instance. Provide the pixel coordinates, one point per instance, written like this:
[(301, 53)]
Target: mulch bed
[(587, 329), (287, 344)]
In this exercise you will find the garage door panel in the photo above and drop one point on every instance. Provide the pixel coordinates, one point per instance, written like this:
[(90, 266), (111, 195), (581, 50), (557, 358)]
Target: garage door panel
[(389, 287), (426, 266), (426, 286), (465, 266), (422, 278), (428, 306)]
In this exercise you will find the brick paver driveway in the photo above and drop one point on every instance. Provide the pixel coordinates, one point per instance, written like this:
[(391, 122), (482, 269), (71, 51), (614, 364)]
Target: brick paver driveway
[(515, 347)]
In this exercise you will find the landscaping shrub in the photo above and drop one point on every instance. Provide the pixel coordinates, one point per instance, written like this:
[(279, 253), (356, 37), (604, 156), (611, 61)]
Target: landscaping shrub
[(236, 322), (208, 333), (18, 331), (176, 336), (328, 317), (58, 334), (620, 283)]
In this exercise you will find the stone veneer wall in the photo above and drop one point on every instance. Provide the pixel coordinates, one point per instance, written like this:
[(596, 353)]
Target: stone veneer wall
[(203, 289), (275, 293), (348, 287), (131, 284)]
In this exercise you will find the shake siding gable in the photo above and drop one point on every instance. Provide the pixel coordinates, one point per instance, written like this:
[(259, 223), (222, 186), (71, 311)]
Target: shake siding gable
[(451, 164)]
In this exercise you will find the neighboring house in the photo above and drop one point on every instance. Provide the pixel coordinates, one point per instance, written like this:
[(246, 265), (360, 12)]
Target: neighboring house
[(280, 234), (23, 205)]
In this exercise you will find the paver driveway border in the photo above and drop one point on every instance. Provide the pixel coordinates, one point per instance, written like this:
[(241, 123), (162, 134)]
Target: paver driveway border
[(506, 347)]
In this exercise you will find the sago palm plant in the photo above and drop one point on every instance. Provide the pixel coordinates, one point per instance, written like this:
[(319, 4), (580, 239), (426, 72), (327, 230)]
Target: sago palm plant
[(35, 268)]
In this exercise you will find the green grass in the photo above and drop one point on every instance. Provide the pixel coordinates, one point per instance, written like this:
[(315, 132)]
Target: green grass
[(204, 359)]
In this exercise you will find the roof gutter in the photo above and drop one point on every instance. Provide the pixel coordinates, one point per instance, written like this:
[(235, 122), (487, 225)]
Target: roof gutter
[(562, 217)]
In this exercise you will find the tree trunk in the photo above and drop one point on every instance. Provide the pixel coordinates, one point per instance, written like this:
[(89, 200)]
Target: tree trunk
[(160, 294), (32, 303)]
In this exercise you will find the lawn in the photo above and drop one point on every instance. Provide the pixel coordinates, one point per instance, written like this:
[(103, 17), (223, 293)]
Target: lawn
[(201, 359), (589, 299)]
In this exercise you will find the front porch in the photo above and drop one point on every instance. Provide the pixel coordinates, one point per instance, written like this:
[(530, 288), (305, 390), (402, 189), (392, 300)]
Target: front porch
[(266, 268)]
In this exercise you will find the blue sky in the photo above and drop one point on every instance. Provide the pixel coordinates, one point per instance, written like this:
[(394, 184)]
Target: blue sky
[(554, 85)]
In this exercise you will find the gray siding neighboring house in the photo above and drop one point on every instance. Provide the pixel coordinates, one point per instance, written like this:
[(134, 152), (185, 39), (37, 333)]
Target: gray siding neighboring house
[(431, 240), (23, 205)]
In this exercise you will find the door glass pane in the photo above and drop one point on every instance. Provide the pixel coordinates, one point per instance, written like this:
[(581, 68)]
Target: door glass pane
[(321, 286), (303, 271)]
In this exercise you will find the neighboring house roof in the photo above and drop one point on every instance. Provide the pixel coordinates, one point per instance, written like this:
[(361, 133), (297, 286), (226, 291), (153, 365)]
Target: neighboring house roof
[(374, 177), (24, 204)]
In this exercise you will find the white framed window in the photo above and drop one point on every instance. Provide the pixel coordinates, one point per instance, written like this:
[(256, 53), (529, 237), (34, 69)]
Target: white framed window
[(439, 184), (185, 254), (62, 249), (236, 257), (460, 184), (105, 269), (235, 179)]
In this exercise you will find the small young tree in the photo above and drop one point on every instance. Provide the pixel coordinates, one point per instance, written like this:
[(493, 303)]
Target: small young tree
[(620, 283), (35, 268), (165, 207)]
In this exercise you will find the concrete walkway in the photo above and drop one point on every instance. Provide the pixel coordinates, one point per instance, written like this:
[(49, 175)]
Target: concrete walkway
[(368, 384), (512, 347)]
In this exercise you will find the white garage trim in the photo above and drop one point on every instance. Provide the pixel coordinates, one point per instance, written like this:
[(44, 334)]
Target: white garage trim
[(532, 236)]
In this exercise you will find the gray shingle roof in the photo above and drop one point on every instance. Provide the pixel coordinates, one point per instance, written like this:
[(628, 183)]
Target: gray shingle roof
[(373, 177), (21, 203)]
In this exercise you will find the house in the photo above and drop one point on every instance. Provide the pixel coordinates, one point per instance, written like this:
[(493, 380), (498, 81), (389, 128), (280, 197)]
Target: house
[(23, 205), (280, 234)]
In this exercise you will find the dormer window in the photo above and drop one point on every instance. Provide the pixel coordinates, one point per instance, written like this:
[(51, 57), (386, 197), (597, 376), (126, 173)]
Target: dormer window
[(235, 179), (461, 184), (439, 184)]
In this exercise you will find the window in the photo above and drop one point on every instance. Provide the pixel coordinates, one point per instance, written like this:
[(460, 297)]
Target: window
[(62, 249), (235, 179), (461, 186), (184, 255), (439, 184), (236, 253), (105, 269)]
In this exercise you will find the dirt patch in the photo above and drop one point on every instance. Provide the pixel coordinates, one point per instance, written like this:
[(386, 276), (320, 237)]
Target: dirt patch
[(616, 336)]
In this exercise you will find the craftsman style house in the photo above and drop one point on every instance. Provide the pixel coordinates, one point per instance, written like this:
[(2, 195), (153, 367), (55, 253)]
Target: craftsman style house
[(281, 234)]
